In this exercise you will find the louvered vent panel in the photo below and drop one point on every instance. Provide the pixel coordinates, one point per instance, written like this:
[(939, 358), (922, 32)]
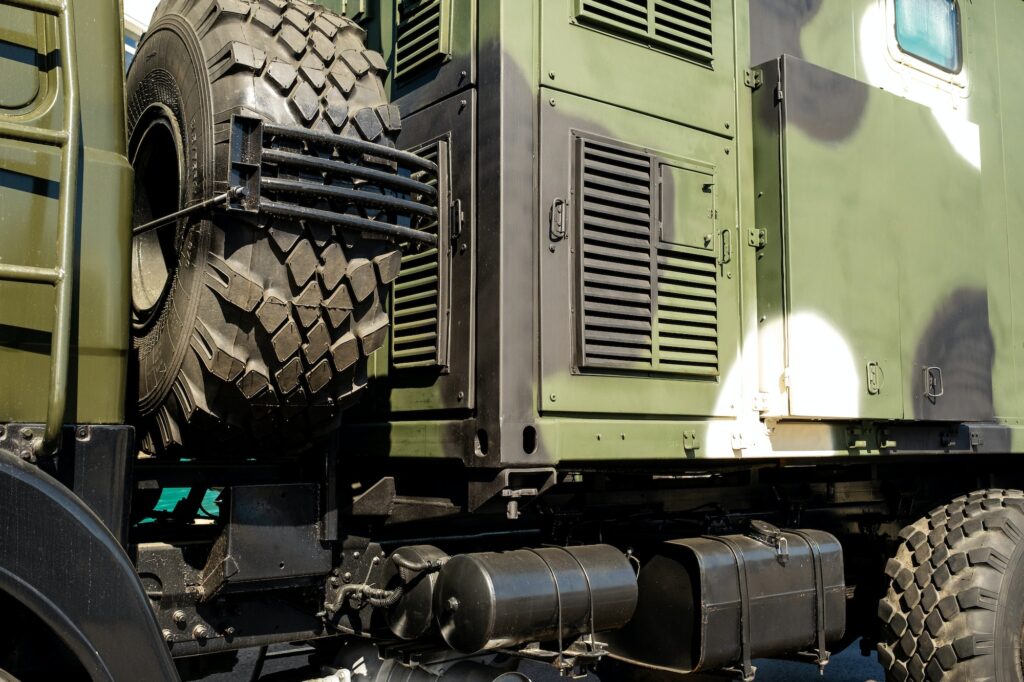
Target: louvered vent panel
[(616, 243), (643, 307), (684, 24), (419, 301), (687, 316), (678, 25), (422, 35)]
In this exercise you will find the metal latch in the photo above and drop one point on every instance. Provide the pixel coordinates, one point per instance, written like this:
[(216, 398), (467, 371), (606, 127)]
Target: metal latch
[(556, 220), (933, 387), (875, 377)]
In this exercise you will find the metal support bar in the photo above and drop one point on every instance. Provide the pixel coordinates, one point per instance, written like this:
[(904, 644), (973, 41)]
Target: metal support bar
[(61, 276), (28, 273), (232, 193), (24, 133)]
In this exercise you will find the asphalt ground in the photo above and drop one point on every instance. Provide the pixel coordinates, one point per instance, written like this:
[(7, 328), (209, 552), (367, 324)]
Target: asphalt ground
[(847, 666)]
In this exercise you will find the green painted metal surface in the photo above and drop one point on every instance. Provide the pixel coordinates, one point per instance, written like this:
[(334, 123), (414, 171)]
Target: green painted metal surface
[(29, 217), (867, 300)]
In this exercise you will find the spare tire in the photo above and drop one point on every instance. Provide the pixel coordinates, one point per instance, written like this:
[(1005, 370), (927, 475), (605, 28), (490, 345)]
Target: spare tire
[(250, 335)]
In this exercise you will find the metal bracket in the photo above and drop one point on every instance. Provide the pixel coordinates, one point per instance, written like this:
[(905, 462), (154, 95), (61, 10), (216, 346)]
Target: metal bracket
[(757, 237), (753, 78)]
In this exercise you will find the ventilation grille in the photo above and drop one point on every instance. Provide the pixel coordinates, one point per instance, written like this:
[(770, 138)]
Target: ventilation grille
[(419, 302), (677, 25), (643, 306), (422, 35)]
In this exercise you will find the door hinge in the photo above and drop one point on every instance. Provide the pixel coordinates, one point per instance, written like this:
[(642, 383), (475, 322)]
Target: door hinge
[(753, 78), (761, 402), (757, 237)]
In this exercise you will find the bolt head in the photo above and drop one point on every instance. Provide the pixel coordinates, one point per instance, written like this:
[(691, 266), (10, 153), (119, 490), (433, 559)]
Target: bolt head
[(179, 618), (26, 433), (167, 635), (452, 604), (200, 632)]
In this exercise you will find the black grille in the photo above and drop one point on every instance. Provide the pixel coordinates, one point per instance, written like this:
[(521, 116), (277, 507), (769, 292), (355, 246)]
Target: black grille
[(643, 306)]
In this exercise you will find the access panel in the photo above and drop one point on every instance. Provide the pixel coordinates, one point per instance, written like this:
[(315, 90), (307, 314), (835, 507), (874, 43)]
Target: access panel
[(638, 299), (871, 285)]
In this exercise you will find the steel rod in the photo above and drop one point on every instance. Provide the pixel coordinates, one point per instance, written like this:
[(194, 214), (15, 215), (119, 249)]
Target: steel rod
[(318, 164), (202, 205), (345, 220), (24, 133), (354, 196), (359, 146), (27, 273), (68, 198)]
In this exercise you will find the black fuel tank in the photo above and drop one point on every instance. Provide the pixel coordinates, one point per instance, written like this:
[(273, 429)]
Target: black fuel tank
[(689, 613), (500, 599)]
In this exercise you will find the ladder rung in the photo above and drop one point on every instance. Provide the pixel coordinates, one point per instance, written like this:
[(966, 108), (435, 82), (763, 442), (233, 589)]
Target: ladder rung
[(17, 131), (54, 7), (27, 273)]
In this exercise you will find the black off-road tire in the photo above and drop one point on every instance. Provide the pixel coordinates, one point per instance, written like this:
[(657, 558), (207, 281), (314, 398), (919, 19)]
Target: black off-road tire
[(955, 606), (249, 336)]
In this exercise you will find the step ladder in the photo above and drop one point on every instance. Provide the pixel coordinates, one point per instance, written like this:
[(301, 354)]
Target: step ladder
[(61, 276)]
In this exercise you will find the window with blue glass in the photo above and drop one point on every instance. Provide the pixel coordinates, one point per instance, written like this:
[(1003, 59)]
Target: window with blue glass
[(930, 31)]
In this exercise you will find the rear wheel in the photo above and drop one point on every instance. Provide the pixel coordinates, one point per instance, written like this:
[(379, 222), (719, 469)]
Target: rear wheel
[(954, 609), (250, 336)]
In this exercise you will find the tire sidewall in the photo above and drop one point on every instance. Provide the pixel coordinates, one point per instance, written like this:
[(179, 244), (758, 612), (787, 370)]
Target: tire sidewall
[(170, 66), (1010, 616)]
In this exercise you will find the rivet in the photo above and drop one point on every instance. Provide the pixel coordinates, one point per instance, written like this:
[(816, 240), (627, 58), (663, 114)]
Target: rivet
[(453, 604), (551, 75), (727, 126), (599, 436), (622, 436), (347, 577), (551, 101), (460, 396), (356, 555), (552, 397)]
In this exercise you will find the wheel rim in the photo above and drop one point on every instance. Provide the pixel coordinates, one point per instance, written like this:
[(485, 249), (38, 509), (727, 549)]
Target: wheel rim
[(157, 193)]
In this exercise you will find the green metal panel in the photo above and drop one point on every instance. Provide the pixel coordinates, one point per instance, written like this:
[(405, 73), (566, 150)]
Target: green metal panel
[(29, 214), (616, 377), (609, 51), (877, 282)]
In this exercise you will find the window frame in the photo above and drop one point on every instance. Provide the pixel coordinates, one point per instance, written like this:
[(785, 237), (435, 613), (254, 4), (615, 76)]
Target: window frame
[(923, 66)]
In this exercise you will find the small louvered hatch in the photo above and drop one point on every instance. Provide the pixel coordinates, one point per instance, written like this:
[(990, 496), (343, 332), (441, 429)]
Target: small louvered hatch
[(419, 302), (643, 306), (677, 25), (422, 35)]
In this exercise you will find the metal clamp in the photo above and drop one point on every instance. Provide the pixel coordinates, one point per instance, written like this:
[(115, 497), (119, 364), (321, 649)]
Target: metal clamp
[(822, 654), (748, 670)]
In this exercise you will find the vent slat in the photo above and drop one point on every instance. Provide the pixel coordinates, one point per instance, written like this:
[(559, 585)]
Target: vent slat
[(684, 26), (416, 295), (643, 307), (421, 38)]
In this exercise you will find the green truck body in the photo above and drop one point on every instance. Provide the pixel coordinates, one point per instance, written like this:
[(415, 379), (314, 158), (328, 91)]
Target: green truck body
[(811, 271), (694, 268)]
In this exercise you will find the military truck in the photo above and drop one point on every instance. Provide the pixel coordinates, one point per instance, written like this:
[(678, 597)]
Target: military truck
[(649, 337)]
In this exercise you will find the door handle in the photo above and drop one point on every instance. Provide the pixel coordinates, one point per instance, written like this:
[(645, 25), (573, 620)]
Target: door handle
[(556, 220)]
